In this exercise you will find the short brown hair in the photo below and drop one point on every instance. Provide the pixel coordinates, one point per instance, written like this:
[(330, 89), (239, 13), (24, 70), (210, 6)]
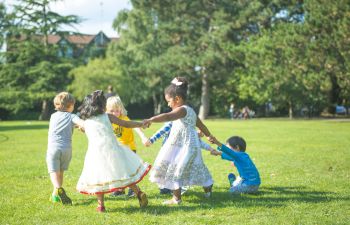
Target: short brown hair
[(63, 100)]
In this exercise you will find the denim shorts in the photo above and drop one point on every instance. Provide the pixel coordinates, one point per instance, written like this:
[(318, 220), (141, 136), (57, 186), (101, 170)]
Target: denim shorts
[(239, 187)]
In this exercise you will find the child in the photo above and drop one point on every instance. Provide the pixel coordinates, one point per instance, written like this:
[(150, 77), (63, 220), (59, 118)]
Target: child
[(59, 151), (108, 165), (179, 162), (249, 180), (124, 135), (164, 132)]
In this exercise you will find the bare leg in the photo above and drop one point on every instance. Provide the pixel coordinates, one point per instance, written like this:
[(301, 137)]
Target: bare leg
[(135, 188), (177, 194), (101, 203), (208, 191), (56, 180), (100, 200), (142, 197)]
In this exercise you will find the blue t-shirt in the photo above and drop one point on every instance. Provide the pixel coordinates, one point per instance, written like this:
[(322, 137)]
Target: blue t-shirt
[(61, 130), (245, 166)]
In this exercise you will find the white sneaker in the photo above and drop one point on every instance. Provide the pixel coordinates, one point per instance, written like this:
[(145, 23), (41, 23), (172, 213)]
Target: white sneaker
[(172, 201), (184, 189)]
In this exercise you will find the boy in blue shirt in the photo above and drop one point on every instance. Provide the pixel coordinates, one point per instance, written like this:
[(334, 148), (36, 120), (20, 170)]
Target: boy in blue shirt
[(249, 180)]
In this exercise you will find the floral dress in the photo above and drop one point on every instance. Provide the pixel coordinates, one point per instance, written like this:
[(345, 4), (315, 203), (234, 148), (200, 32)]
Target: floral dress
[(108, 165), (179, 162)]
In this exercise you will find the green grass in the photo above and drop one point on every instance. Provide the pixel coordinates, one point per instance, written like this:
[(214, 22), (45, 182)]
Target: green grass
[(304, 167)]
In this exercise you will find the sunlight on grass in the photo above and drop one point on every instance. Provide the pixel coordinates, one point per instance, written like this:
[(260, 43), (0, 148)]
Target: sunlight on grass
[(304, 168)]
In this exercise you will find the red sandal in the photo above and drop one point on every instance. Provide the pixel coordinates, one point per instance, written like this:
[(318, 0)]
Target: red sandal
[(101, 209)]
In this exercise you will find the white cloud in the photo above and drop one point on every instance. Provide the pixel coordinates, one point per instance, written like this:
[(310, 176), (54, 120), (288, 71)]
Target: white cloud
[(96, 15)]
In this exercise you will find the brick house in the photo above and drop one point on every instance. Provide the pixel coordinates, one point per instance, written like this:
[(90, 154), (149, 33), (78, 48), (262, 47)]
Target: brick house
[(77, 45)]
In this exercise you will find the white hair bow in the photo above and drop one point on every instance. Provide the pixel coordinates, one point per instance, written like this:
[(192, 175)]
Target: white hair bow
[(176, 82)]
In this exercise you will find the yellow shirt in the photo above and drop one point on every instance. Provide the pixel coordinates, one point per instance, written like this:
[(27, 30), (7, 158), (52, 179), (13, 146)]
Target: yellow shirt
[(124, 135)]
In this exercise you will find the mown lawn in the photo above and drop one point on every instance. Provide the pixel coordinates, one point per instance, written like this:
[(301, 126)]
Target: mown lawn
[(304, 167)]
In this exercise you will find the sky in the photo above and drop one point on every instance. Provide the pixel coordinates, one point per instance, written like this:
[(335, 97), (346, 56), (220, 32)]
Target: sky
[(97, 15)]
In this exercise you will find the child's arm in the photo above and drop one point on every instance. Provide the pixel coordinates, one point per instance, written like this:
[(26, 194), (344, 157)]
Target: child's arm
[(124, 123), (141, 134), (78, 122), (225, 152), (213, 140), (202, 127), (205, 146), (164, 130), (175, 114)]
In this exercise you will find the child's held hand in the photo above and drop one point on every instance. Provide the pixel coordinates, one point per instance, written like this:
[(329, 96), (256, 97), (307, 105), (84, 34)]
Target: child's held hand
[(212, 139), (215, 152), (147, 143), (146, 123), (80, 128), (200, 133)]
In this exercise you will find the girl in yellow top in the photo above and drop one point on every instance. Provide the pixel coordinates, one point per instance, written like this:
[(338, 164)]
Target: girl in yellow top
[(124, 135)]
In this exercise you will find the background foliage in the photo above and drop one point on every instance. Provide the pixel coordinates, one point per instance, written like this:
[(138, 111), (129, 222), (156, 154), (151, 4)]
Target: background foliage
[(291, 54)]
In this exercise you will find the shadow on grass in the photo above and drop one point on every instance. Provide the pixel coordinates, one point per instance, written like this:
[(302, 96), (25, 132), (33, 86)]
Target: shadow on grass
[(3, 138), (24, 127), (85, 201), (267, 197)]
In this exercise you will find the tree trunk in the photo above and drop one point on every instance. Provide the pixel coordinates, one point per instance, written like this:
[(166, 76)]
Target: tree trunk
[(204, 108), (290, 109), (44, 111), (334, 94), (155, 103)]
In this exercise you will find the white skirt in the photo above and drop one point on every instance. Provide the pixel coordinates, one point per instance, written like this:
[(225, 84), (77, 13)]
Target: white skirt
[(110, 169), (177, 166)]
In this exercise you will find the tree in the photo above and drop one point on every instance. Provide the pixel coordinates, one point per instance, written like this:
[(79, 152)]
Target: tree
[(327, 28), (32, 66), (97, 74), (162, 39), (296, 63)]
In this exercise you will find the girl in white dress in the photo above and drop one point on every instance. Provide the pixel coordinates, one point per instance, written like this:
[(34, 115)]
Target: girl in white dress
[(179, 162), (109, 165)]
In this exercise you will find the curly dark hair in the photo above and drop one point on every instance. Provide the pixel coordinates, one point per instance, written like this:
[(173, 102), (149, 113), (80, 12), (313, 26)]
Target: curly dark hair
[(94, 104), (180, 90)]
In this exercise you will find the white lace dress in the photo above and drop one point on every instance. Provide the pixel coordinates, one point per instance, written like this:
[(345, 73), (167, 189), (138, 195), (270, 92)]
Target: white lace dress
[(179, 162), (108, 164)]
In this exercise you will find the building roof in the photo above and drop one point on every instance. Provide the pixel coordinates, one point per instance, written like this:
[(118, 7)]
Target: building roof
[(80, 39), (77, 39), (53, 39)]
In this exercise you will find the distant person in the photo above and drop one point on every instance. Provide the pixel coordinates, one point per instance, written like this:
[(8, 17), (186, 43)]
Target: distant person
[(232, 111), (110, 92), (124, 135), (245, 112), (234, 150), (59, 150)]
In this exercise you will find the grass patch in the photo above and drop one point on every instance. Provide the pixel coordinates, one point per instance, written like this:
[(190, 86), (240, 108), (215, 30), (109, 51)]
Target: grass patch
[(304, 167)]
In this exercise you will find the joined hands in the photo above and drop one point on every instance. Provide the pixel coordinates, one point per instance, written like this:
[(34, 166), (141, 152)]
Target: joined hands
[(146, 123)]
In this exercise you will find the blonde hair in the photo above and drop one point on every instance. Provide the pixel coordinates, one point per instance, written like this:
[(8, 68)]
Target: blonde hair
[(115, 102), (63, 100)]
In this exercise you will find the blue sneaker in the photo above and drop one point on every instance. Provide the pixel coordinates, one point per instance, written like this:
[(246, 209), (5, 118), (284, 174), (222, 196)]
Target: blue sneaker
[(165, 191), (231, 178)]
